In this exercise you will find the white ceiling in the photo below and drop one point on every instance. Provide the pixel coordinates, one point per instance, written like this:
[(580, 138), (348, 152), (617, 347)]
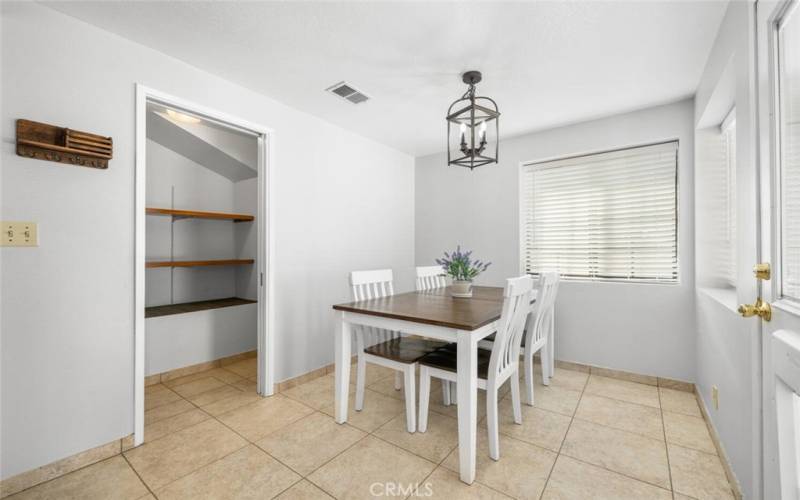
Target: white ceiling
[(545, 63)]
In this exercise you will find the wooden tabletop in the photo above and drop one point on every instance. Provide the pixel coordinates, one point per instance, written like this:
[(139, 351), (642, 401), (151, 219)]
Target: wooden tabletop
[(436, 307)]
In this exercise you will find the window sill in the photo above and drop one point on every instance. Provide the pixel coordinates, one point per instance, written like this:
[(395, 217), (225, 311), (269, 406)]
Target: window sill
[(725, 296)]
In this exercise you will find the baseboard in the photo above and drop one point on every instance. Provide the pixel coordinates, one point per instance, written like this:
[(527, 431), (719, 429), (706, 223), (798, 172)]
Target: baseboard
[(200, 367), (726, 464), (56, 469), (664, 382)]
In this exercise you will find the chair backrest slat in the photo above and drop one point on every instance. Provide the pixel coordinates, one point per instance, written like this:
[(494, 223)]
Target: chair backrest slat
[(547, 290), (368, 285), (516, 307), (430, 277)]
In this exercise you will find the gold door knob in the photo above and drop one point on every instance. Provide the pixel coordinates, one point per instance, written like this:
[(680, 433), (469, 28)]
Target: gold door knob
[(760, 308)]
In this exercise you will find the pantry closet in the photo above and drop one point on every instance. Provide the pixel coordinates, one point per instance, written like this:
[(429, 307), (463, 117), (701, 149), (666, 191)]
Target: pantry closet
[(201, 278)]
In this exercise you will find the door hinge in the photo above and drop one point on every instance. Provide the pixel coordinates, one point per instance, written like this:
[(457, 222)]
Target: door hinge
[(762, 271)]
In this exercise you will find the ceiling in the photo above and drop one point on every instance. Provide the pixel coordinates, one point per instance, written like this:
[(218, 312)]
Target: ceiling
[(545, 63)]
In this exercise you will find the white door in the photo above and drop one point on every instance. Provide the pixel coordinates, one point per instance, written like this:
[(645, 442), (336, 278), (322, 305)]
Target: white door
[(778, 51)]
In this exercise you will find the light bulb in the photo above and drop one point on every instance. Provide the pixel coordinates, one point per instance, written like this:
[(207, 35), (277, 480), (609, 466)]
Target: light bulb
[(483, 130), (180, 117)]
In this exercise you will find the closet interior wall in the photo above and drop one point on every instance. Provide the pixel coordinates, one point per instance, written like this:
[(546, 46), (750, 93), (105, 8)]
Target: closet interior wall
[(175, 181)]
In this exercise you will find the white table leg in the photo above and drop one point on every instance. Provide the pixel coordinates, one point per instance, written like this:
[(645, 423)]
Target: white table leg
[(467, 389), (342, 360)]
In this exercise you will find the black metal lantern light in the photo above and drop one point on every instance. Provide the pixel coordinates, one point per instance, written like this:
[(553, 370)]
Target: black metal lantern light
[(469, 122)]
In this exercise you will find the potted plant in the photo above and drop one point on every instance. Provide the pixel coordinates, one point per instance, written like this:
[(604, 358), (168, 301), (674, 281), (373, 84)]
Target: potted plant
[(463, 270)]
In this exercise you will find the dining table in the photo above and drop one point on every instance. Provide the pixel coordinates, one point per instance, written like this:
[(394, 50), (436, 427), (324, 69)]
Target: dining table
[(434, 314)]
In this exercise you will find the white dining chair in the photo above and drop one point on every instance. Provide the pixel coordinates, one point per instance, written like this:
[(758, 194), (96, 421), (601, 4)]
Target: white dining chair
[(538, 332), (551, 337), (430, 278), (386, 348), (495, 367)]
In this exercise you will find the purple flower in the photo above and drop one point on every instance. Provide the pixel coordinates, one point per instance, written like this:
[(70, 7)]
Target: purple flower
[(459, 265)]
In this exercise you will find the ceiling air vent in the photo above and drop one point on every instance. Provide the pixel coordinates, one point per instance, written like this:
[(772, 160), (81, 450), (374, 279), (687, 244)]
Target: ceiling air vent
[(348, 92)]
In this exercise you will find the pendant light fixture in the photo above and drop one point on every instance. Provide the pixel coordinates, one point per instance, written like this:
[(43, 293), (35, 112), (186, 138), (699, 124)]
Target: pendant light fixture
[(471, 121)]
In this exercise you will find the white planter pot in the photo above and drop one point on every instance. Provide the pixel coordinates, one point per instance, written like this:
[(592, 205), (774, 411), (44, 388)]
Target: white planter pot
[(462, 288)]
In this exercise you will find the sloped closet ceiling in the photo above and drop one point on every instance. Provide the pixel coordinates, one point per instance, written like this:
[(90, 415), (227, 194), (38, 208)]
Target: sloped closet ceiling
[(231, 155)]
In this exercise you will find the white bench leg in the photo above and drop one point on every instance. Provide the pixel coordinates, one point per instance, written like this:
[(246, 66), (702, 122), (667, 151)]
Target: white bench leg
[(398, 381), (424, 397), (411, 395)]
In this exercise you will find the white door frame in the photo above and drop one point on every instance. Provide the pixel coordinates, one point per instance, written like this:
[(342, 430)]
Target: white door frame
[(785, 312), (266, 246)]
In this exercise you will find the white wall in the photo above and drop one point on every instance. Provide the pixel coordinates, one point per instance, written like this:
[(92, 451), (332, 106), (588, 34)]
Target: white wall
[(727, 348), (187, 339), (643, 328), (342, 202)]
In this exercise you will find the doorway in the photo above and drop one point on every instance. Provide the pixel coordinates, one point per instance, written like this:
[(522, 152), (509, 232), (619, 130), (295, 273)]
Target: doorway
[(203, 260)]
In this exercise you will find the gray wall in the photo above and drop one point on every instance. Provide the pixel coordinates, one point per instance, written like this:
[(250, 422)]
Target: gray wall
[(727, 347), (643, 328), (342, 202)]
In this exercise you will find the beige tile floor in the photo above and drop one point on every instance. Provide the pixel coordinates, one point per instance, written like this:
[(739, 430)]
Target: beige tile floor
[(209, 435)]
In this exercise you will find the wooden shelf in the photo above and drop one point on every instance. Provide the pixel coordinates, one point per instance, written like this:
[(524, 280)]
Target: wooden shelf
[(197, 263), (188, 307), (196, 214)]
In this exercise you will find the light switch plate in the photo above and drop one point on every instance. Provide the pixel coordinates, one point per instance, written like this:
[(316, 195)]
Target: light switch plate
[(20, 234)]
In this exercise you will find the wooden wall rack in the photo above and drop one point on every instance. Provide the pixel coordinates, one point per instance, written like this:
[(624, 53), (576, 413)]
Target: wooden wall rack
[(48, 142)]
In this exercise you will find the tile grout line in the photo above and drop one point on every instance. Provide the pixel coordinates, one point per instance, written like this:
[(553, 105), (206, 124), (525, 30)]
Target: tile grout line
[(63, 475), (619, 430), (666, 443), (147, 486), (561, 446), (211, 417), (436, 465), (373, 433)]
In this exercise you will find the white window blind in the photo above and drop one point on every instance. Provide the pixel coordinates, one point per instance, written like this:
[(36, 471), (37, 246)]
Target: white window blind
[(789, 100), (605, 216), (715, 204)]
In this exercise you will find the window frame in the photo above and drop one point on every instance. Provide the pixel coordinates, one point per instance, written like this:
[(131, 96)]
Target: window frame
[(727, 129), (521, 198)]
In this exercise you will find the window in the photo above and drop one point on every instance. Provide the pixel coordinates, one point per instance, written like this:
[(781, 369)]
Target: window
[(789, 154), (715, 187), (606, 216)]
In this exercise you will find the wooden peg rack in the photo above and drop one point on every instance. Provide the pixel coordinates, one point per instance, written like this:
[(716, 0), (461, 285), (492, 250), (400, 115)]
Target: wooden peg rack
[(63, 145)]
